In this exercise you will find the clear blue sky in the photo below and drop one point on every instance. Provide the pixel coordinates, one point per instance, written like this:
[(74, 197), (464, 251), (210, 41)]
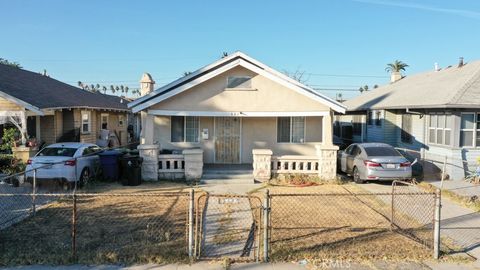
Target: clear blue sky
[(114, 42)]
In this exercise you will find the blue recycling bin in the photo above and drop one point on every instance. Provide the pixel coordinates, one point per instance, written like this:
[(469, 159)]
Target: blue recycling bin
[(109, 162)]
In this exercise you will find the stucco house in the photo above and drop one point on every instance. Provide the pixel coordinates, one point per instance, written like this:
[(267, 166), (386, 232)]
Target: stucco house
[(52, 111), (436, 113), (236, 110)]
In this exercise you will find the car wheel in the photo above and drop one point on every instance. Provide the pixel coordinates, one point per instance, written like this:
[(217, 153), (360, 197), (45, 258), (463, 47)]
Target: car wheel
[(356, 176), (85, 176)]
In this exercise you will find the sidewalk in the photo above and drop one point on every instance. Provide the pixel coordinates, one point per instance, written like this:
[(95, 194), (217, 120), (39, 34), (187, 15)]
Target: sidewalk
[(459, 187)]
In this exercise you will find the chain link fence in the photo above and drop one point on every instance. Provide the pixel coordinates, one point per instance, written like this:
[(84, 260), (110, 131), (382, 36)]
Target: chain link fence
[(94, 228), (128, 228), (350, 225)]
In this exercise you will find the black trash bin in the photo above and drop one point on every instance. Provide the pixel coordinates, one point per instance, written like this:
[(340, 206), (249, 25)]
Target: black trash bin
[(131, 170)]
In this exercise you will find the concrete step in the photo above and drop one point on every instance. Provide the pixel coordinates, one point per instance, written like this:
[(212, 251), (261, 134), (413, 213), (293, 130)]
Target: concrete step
[(227, 176), (227, 181), (227, 172)]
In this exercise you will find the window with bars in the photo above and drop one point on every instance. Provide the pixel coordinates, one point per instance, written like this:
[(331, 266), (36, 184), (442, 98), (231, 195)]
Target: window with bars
[(406, 135), (185, 129), (291, 129), (440, 129)]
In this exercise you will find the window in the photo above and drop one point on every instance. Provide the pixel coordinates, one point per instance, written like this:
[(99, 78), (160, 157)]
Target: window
[(121, 120), (379, 151), (378, 118), (440, 129), (291, 129), (86, 121), (467, 129), (239, 82), (57, 152), (104, 120), (357, 125), (406, 135), (185, 129), (370, 118)]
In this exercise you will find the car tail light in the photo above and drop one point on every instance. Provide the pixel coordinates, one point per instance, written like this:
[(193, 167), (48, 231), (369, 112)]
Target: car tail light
[(29, 162), (405, 164), (70, 162), (369, 163)]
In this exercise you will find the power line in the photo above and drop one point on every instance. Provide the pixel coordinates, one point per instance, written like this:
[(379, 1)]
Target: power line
[(346, 75)]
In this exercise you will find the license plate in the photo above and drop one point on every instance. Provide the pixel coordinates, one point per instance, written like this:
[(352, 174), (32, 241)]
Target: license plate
[(391, 166)]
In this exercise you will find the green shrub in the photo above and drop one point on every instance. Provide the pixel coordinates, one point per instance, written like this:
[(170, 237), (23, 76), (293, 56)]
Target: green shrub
[(10, 165), (8, 139)]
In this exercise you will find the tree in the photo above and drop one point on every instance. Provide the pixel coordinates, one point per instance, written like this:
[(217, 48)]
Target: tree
[(80, 84), (224, 54), (363, 88), (104, 88), (186, 73), (8, 63), (297, 75), (112, 88), (396, 66)]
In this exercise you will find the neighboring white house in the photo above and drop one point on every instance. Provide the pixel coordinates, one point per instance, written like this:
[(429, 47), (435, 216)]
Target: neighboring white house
[(231, 109), (436, 113)]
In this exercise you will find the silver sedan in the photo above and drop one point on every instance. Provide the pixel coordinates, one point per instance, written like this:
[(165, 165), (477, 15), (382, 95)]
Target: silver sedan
[(374, 161)]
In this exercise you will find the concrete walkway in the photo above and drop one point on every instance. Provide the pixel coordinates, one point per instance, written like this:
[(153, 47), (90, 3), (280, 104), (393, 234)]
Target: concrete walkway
[(460, 187), (226, 228), (260, 266)]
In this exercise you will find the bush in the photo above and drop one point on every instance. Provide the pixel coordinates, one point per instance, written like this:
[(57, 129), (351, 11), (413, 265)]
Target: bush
[(8, 139), (10, 165)]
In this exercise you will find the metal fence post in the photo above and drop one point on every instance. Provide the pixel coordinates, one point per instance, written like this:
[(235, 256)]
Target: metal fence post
[(436, 226), (74, 227), (34, 189), (190, 224), (266, 223)]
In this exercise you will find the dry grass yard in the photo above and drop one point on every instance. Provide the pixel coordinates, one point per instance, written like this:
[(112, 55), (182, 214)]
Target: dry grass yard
[(336, 225)]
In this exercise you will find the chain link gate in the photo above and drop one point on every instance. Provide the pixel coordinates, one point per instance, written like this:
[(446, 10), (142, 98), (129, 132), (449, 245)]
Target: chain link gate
[(228, 226)]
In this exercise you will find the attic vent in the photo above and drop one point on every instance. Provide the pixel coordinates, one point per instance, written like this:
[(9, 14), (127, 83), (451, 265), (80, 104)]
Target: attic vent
[(239, 82)]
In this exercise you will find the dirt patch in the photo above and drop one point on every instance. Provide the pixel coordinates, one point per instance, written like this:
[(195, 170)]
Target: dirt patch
[(336, 224), (123, 228)]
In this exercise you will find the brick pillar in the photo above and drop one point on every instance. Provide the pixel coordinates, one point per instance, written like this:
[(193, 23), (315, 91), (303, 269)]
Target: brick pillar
[(193, 164), (149, 153), (262, 164)]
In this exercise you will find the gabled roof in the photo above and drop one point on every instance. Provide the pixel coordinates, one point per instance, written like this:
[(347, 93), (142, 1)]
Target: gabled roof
[(453, 87), (222, 65), (35, 92)]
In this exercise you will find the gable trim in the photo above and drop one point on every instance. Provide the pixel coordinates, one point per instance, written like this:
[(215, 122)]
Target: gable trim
[(240, 62), (21, 103), (240, 59)]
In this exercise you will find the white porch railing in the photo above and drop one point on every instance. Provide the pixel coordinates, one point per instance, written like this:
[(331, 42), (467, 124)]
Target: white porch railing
[(171, 163), (295, 164)]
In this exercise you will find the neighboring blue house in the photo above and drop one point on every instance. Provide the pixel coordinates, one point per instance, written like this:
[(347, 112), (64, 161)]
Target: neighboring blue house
[(436, 113)]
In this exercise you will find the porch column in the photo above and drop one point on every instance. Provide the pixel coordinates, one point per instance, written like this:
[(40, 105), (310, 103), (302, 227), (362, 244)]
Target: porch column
[(146, 133), (327, 161), (327, 129), (193, 164), (262, 164), (149, 153)]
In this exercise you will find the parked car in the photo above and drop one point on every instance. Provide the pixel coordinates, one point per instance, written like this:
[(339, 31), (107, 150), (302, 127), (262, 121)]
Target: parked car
[(374, 161), (65, 162)]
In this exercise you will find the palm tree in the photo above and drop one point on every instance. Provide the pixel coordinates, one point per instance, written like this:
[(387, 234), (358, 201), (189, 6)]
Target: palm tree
[(396, 66), (80, 84), (363, 88), (126, 90), (112, 89), (104, 88)]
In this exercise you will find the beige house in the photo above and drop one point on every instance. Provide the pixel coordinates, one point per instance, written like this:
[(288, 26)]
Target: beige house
[(236, 111), (50, 111)]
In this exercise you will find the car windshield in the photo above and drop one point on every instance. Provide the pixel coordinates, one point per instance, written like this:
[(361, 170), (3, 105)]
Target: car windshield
[(57, 152), (381, 151)]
